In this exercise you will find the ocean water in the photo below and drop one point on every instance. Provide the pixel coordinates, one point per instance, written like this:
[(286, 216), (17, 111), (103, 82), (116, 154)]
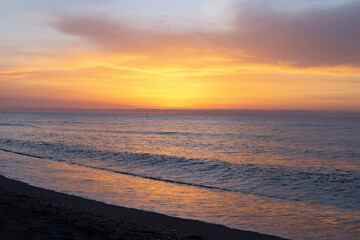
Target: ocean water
[(295, 178)]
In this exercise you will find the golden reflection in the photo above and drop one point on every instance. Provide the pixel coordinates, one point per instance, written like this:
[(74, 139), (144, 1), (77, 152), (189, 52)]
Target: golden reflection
[(244, 211)]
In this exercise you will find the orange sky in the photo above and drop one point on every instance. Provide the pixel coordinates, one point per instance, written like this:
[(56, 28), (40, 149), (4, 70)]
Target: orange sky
[(289, 58)]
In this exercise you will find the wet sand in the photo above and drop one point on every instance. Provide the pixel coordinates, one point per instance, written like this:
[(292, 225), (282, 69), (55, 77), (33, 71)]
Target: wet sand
[(28, 212)]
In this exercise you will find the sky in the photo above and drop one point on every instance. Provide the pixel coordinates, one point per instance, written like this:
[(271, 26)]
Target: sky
[(189, 54)]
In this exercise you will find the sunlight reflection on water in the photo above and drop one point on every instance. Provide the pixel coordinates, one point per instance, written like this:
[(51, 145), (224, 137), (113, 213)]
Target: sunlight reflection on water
[(289, 177), (290, 219)]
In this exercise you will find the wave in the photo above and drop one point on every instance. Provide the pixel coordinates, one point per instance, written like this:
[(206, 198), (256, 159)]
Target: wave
[(135, 132), (337, 187), (125, 173), (13, 125)]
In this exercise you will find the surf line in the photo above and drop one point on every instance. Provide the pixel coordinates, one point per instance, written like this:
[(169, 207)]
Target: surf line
[(122, 172)]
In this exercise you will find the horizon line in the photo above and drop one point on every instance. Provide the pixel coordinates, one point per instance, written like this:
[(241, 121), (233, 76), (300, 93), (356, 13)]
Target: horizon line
[(290, 113)]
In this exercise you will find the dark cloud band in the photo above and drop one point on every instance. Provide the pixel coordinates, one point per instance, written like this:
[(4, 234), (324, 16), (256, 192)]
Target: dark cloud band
[(307, 38)]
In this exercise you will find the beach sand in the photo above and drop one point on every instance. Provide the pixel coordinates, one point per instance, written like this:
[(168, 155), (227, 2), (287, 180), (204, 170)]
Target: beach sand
[(28, 212)]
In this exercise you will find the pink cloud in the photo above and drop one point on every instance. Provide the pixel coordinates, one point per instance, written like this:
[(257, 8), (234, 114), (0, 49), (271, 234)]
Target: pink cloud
[(316, 37)]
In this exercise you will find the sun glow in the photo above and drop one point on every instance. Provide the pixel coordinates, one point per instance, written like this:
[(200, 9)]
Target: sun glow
[(202, 81), (96, 62)]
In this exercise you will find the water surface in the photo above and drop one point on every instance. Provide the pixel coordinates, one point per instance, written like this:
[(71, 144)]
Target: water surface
[(296, 178)]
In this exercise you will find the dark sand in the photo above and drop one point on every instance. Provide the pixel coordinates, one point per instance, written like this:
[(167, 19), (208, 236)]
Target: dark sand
[(28, 212)]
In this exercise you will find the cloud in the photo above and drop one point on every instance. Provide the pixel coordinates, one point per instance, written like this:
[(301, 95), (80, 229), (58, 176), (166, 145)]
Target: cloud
[(117, 36), (310, 37), (102, 31)]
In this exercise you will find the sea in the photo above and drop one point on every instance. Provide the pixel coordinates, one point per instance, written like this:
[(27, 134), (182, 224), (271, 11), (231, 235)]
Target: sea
[(298, 178)]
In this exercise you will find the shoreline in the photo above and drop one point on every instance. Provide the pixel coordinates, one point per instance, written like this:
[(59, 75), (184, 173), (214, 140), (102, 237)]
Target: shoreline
[(31, 211)]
